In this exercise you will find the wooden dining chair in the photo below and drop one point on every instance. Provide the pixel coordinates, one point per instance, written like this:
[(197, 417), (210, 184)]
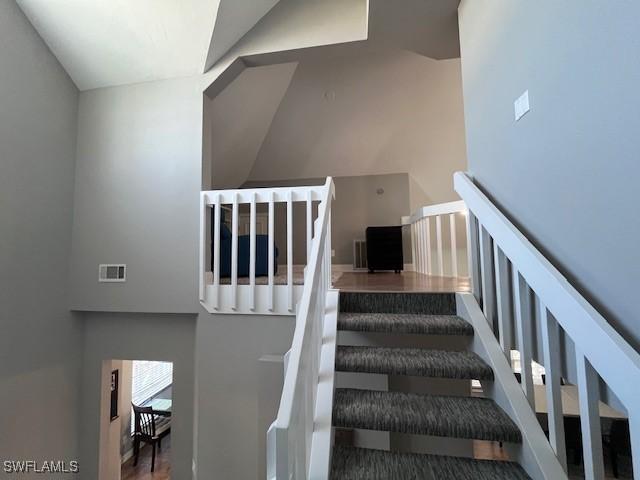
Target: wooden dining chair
[(149, 428)]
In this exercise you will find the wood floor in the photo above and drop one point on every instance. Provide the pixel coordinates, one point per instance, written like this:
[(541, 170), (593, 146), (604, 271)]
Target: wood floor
[(142, 471), (400, 282)]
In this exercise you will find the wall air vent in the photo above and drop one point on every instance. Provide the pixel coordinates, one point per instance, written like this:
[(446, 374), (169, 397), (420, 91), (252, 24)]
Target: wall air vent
[(109, 272), (359, 254)]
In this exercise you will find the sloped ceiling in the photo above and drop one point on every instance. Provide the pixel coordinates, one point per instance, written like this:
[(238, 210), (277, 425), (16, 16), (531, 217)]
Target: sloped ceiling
[(234, 19), (240, 119), (104, 43)]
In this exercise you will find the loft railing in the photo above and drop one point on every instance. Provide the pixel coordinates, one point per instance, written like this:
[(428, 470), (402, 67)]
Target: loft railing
[(234, 221), (510, 277), (427, 232), (289, 440)]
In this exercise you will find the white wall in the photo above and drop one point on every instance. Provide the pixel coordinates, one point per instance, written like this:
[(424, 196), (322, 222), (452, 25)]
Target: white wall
[(566, 172), (39, 340), (371, 113)]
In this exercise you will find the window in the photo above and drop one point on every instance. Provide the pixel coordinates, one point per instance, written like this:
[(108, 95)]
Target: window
[(149, 379)]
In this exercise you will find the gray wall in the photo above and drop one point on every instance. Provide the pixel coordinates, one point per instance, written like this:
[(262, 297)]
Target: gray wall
[(127, 336), (240, 116), (239, 388), (136, 196), (40, 339), (567, 171), (357, 206)]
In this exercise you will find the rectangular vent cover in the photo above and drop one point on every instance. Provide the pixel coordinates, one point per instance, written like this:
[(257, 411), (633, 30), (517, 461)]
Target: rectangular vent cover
[(359, 254), (109, 272)]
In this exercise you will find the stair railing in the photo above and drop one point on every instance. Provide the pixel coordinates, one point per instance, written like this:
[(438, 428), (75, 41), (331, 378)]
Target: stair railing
[(510, 276), (423, 222), (251, 213), (289, 438)]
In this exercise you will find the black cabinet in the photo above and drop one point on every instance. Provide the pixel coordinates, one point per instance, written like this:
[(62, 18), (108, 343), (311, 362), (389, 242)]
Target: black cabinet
[(384, 248)]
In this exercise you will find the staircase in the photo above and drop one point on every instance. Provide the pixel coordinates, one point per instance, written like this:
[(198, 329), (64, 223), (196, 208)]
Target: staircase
[(392, 324)]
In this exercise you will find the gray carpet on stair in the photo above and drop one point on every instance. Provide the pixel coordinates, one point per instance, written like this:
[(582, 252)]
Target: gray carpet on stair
[(350, 463), (443, 416), (404, 323), (398, 302), (412, 361)]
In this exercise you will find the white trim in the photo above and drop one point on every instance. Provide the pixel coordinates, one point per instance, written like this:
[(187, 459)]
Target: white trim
[(322, 439), (438, 209), (535, 454), (611, 356)]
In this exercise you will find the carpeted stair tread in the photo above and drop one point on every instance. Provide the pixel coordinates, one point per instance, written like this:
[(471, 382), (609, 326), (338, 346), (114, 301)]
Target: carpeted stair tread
[(404, 323), (443, 416), (412, 361), (349, 463)]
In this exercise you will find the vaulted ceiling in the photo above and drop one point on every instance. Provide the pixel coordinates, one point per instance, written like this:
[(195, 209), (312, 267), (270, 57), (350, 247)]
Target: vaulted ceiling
[(103, 43)]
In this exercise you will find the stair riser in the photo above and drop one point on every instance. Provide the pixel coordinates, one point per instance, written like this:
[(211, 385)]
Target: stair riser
[(435, 342), (424, 303)]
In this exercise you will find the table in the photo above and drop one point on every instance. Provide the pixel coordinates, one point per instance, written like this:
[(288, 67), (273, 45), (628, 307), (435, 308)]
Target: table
[(161, 406), (571, 403)]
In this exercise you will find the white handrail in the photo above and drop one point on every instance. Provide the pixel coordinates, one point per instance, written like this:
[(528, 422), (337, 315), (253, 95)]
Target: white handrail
[(421, 235), (294, 423), (235, 294), (600, 349)]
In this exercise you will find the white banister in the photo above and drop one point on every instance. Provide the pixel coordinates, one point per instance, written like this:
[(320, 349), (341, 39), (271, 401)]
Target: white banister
[(600, 351), (294, 428), (251, 273), (421, 236)]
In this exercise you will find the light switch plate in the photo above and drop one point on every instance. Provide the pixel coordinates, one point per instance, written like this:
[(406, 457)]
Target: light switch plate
[(521, 105)]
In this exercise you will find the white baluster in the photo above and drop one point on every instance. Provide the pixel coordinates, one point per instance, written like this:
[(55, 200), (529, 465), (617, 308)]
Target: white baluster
[(427, 227), (414, 257), (589, 398), (271, 250), (473, 252), (252, 252), (203, 245), (487, 278), (522, 300), (234, 253), (421, 246), (503, 300), (551, 350), (439, 245), (309, 225), (634, 432), (328, 243), (216, 251), (290, 251), (454, 245)]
